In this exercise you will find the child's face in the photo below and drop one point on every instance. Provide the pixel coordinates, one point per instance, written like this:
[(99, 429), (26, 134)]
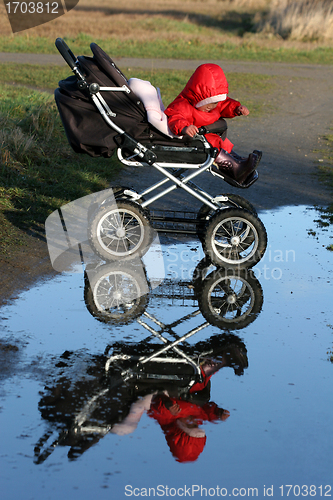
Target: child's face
[(207, 107)]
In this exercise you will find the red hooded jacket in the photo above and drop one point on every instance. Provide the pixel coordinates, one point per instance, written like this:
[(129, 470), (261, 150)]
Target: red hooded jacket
[(183, 447), (207, 81)]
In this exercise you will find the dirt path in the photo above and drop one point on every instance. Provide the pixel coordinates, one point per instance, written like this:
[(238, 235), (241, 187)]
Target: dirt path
[(303, 101)]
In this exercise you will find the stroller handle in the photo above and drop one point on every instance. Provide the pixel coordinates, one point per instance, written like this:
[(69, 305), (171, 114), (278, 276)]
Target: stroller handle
[(66, 52), (218, 127)]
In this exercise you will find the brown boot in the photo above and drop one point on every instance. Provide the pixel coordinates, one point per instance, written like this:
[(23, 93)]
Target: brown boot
[(259, 155), (256, 153), (238, 170), (237, 156)]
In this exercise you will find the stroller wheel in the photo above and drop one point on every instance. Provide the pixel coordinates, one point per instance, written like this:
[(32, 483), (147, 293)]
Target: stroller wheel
[(120, 231), (116, 293), (235, 238), (230, 299), (235, 201)]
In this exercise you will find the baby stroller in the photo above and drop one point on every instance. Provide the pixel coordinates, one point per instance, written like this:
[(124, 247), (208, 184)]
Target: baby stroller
[(88, 396), (101, 114)]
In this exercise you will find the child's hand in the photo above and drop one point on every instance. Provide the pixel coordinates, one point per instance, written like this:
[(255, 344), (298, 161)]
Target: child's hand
[(242, 110), (224, 414), (191, 130), (174, 409)]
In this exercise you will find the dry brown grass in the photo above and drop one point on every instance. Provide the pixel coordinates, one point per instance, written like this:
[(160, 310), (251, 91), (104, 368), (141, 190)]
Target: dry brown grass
[(133, 19), (301, 19), (207, 20)]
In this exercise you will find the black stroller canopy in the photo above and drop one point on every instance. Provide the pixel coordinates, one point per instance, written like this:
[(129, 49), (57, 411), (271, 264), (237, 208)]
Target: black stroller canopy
[(107, 65), (85, 128)]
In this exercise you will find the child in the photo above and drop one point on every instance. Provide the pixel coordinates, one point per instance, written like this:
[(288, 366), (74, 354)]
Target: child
[(180, 421), (203, 101)]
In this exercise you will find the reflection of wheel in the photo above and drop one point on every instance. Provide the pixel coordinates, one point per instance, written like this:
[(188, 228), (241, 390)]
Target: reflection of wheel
[(234, 238), (120, 231), (230, 299), (200, 273), (235, 201), (116, 295)]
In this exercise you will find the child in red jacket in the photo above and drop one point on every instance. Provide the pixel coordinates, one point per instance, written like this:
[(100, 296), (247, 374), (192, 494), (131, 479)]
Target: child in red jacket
[(203, 102)]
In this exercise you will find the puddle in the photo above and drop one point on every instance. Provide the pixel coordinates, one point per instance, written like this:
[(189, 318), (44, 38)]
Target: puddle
[(99, 399)]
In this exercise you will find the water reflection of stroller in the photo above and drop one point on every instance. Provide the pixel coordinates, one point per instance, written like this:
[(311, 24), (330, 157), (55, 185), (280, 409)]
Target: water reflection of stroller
[(227, 225), (91, 396), (165, 374), (120, 292)]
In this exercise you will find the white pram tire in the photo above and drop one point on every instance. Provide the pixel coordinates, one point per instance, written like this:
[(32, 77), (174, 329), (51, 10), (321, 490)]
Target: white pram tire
[(120, 231), (234, 238)]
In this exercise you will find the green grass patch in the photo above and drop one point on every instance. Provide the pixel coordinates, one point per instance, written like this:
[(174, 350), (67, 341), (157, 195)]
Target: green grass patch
[(177, 48), (38, 170), (43, 77)]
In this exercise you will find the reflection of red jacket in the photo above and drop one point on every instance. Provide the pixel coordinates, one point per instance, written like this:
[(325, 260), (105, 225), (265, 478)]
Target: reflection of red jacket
[(184, 447), (207, 81), (158, 410)]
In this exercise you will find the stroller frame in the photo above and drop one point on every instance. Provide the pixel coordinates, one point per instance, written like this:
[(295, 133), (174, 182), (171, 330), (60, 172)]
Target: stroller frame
[(231, 233), (156, 356)]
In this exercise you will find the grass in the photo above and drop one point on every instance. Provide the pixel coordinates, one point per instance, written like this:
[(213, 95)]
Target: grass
[(42, 77), (38, 170), (179, 48), (300, 20), (249, 30)]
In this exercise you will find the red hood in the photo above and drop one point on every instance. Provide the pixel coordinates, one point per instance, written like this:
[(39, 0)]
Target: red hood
[(208, 80), (183, 447)]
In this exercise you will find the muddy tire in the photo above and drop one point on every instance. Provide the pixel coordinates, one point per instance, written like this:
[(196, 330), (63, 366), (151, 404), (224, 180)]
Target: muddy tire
[(234, 238), (106, 197)]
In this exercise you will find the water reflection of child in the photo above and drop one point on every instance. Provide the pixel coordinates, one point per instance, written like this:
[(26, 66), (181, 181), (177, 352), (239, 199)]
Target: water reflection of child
[(204, 101), (180, 421), (179, 418)]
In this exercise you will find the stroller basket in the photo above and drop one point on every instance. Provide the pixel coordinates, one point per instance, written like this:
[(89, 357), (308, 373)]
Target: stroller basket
[(171, 221)]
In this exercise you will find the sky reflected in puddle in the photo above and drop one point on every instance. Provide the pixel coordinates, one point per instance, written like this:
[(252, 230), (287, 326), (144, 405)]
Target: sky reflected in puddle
[(86, 411)]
